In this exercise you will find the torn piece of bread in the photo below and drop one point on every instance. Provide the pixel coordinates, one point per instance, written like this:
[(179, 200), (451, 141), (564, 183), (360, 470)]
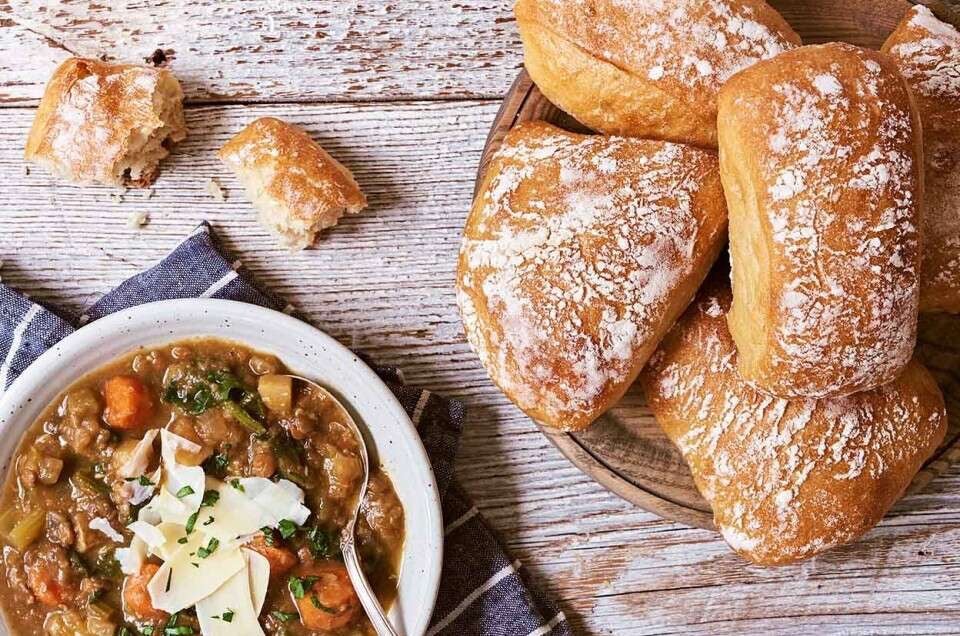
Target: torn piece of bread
[(786, 479), (927, 52), (578, 255), (107, 123), (297, 188)]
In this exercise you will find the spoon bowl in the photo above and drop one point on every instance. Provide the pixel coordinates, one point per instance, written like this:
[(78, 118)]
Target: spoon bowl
[(368, 599)]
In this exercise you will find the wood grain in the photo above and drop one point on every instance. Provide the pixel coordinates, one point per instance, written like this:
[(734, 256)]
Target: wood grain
[(275, 50), (382, 282)]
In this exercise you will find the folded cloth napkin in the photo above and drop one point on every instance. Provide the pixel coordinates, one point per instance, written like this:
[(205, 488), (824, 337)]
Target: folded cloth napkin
[(482, 591)]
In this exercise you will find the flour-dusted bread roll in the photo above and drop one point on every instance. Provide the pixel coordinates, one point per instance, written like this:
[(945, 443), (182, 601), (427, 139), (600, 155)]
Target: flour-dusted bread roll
[(107, 123), (297, 188), (927, 52), (646, 68), (786, 478), (578, 255), (821, 160)]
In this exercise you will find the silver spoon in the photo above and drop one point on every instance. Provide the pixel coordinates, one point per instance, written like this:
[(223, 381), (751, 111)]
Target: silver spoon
[(368, 599)]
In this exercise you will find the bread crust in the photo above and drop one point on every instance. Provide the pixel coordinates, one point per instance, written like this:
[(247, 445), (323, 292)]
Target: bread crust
[(579, 253), (296, 186), (820, 156), (645, 69), (100, 122), (786, 479), (927, 52)]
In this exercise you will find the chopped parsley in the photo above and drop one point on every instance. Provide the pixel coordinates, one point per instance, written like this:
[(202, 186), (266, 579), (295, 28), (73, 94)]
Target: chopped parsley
[(299, 585), (196, 395), (142, 480), (186, 491), (216, 464), (226, 617), (236, 484), (210, 498), (211, 547), (182, 540), (208, 521), (169, 577), (191, 522), (320, 606), (323, 544), (283, 617), (287, 528), (268, 535)]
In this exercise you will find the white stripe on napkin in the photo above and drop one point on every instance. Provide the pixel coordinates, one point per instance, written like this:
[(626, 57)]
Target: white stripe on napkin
[(465, 517), (546, 629), (418, 409), (474, 595), (15, 344), (220, 284)]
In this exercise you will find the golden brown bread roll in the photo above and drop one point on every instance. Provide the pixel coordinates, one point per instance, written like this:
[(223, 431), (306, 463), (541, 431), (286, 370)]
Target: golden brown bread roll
[(578, 255), (297, 188), (107, 123), (646, 69), (786, 478), (927, 51), (820, 156)]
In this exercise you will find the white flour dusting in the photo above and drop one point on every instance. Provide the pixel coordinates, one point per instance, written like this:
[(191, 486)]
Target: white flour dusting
[(571, 266), (785, 478)]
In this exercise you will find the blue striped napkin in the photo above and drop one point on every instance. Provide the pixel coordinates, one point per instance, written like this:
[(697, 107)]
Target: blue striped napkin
[(482, 591)]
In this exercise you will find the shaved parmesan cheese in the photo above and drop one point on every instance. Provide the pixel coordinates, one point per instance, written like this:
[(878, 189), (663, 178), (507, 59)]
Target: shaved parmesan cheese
[(234, 513), (103, 525), (258, 568), (279, 500), (136, 493), (132, 559), (187, 481), (140, 457), (151, 536), (234, 597), (184, 580)]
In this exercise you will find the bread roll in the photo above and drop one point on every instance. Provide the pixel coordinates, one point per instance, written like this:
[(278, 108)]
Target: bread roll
[(786, 479), (820, 156), (107, 123), (927, 52), (642, 68), (297, 188), (578, 255)]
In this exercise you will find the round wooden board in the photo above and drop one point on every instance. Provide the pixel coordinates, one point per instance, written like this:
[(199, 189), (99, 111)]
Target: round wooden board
[(625, 450)]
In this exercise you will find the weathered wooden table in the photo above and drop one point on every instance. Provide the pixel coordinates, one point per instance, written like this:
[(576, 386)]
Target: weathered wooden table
[(403, 92)]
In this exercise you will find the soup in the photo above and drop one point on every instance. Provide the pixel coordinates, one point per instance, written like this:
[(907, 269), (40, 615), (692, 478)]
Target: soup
[(186, 489)]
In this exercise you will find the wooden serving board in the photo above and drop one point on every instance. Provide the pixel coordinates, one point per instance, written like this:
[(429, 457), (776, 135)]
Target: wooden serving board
[(625, 450)]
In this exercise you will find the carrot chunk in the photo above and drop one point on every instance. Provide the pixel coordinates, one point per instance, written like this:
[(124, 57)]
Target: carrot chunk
[(128, 402), (281, 559), (136, 597), (328, 601)]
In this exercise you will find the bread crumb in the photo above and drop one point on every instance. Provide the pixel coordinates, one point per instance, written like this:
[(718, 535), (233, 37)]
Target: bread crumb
[(117, 196), (137, 220), (215, 190)]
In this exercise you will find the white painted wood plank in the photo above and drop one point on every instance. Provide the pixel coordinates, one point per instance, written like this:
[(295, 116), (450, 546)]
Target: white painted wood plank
[(382, 283), (274, 50)]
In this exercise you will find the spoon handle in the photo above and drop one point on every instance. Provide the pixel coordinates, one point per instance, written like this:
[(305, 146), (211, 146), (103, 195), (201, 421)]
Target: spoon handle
[(364, 592)]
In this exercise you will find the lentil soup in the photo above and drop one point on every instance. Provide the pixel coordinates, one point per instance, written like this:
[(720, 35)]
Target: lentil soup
[(191, 488)]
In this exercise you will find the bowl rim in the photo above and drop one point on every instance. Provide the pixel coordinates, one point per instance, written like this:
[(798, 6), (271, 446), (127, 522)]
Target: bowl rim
[(168, 321)]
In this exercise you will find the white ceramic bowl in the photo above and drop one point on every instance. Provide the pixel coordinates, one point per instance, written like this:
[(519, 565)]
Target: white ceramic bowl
[(303, 349)]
